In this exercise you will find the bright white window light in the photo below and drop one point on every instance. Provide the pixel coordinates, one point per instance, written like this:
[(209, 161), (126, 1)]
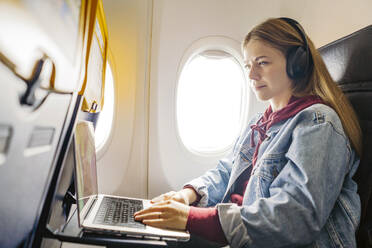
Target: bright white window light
[(106, 116), (210, 102)]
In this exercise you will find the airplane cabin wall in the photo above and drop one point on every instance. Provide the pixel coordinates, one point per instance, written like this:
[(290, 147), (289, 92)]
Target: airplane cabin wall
[(144, 157), (326, 21), (122, 166)]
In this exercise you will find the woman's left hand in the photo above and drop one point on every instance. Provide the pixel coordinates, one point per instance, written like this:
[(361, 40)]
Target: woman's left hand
[(165, 214)]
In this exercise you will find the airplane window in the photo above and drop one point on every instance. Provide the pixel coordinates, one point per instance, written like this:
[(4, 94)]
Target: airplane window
[(211, 101), (104, 123)]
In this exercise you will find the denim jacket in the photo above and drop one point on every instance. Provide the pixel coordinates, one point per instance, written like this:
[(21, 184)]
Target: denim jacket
[(300, 193)]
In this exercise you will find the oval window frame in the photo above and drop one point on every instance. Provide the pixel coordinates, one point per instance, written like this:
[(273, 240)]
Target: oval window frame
[(101, 149), (219, 43)]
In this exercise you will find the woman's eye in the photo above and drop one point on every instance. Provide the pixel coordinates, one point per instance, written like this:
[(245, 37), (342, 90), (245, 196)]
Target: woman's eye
[(262, 62)]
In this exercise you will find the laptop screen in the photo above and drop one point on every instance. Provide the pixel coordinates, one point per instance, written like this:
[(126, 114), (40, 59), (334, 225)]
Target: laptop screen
[(85, 162)]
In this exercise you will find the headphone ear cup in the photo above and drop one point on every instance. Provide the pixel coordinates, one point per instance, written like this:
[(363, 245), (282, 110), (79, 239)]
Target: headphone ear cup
[(297, 62)]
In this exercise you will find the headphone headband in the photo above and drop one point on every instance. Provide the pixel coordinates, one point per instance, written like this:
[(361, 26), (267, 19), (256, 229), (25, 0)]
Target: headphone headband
[(298, 27)]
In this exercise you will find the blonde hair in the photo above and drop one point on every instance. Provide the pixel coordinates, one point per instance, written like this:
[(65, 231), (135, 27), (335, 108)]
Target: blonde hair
[(282, 36)]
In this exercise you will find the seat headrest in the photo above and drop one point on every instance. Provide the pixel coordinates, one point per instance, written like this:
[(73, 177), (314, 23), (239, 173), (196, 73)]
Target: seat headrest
[(349, 59)]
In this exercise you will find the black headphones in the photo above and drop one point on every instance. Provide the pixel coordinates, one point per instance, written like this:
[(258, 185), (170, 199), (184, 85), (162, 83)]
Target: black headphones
[(299, 60)]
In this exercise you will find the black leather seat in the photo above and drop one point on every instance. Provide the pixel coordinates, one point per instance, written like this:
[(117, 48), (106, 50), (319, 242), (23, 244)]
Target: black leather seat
[(349, 61)]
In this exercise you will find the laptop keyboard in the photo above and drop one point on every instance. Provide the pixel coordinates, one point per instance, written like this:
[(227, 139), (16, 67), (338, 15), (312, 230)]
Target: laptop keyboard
[(119, 212)]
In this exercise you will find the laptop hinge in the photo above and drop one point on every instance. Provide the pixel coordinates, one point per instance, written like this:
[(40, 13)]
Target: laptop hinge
[(90, 207)]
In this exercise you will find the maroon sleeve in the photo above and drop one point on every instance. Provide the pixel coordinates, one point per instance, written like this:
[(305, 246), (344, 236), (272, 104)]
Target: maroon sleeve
[(198, 197), (205, 223)]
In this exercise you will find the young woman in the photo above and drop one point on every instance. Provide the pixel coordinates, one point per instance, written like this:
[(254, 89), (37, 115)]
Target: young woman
[(288, 181)]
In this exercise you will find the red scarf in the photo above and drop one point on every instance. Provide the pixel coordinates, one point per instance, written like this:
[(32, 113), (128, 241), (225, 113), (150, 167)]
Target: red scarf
[(269, 118)]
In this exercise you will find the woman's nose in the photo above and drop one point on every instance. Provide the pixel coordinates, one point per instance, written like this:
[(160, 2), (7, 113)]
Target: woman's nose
[(253, 74)]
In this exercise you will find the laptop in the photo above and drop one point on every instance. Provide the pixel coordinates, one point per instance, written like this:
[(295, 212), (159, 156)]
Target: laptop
[(107, 213)]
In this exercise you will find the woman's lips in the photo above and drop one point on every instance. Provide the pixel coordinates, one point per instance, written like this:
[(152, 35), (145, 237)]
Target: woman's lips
[(259, 87)]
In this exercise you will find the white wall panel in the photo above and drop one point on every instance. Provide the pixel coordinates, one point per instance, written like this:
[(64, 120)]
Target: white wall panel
[(122, 170), (325, 21)]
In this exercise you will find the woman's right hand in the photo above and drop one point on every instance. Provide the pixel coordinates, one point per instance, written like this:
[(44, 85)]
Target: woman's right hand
[(185, 196)]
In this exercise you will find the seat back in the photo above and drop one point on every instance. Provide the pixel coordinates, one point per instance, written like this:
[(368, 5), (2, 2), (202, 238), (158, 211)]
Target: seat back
[(349, 61)]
